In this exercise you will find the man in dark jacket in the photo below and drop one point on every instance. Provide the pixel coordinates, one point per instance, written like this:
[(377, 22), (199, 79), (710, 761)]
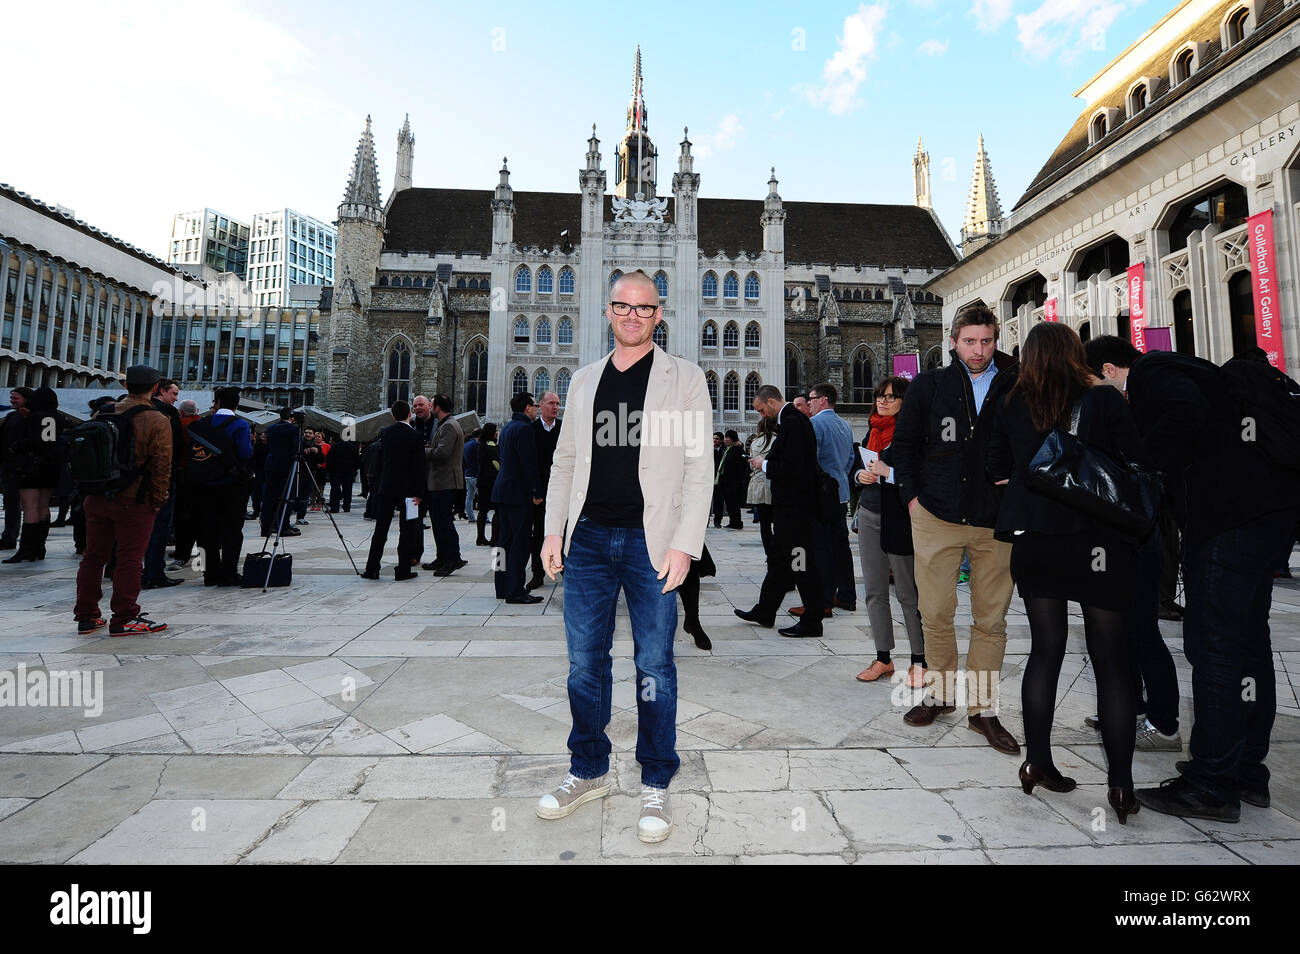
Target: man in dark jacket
[(341, 467), (220, 480), (547, 428), (1236, 508), (791, 466), (733, 478), (283, 440), (399, 485), (9, 430), (155, 554), (939, 444), (516, 491), (719, 501)]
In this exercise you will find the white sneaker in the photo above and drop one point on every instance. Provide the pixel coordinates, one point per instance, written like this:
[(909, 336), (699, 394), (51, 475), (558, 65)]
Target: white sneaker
[(177, 565), (572, 793), (656, 822)]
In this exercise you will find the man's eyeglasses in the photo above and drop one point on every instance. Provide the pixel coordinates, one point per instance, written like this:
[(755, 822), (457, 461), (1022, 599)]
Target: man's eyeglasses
[(886, 397), (623, 309)]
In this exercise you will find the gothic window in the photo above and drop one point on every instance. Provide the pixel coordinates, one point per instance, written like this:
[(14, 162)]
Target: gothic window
[(711, 380), (460, 282), (543, 331), (1235, 26), (709, 336), (731, 392), (752, 338), (731, 335), (383, 281), (862, 377), (566, 281), (710, 285), (541, 383), (1099, 127), (562, 385), (564, 333), (793, 371), (752, 384), (661, 335), (1182, 69), (1137, 99), (545, 282), (406, 281), (397, 386), (730, 286), (661, 284), (521, 330), (523, 281), (933, 359), (419, 282), (518, 382), (751, 287), (614, 276)]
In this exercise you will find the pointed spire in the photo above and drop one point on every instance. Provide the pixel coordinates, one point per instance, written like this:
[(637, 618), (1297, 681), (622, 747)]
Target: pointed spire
[(983, 209), (593, 151), (773, 201), (405, 158), (636, 111), (363, 182), (685, 161), (921, 175)]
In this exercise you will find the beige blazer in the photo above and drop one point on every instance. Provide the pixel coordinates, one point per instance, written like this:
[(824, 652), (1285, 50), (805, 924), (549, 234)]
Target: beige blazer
[(676, 457)]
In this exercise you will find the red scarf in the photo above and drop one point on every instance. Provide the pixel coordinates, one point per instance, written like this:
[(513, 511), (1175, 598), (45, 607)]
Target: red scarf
[(882, 431)]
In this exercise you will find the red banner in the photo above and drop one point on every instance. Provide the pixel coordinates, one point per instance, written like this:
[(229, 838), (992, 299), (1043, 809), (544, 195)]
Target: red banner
[(1049, 310), (1137, 312), (1263, 279)]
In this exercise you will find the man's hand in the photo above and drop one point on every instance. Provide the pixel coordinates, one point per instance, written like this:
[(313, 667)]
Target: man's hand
[(552, 554), (536, 500), (676, 566)]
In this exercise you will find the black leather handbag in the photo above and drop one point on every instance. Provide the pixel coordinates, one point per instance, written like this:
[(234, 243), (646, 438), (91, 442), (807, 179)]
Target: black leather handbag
[(1117, 492), (256, 566)]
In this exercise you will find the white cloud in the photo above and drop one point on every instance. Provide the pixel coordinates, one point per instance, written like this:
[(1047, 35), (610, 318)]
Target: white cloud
[(991, 14), (933, 47), (728, 131), (846, 70), (1066, 28)]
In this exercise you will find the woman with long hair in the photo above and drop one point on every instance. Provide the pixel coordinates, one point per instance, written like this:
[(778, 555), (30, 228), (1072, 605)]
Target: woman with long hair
[(488, 467), (36, 464), (1059, 554), (884, 542), (759, 495)]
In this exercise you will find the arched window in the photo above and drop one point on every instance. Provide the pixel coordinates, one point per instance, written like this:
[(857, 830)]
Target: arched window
[(1184, 332), (562, 385), (1137, 99), (523, 281), (661, 335), (397, 384), (566, 280), (752, 384), (614, 276), (545, 280), (609, 338), (543, 331), (711, 380), (661, 284), (710, 285), (383, 280), (564, 333), (751, 287), (863, 382), (1234, 28), (406, 281), (793, 371), (731, 392), (460, 282), (731, 335), (709, 336), (541, 383), (521, 330), (933, 359), (1224, 205), (518, 382), (752, 339), (1099, 127), (419, 282), (731, 286), (1183, 64)]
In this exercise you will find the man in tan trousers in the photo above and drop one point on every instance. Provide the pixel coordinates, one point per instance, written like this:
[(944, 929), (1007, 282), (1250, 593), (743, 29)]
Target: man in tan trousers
[(939, 464)]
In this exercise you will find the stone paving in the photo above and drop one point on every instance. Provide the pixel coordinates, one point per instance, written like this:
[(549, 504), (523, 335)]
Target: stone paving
[(343, 721)]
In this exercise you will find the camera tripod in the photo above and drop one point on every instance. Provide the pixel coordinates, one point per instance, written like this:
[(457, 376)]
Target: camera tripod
[(283, 512)]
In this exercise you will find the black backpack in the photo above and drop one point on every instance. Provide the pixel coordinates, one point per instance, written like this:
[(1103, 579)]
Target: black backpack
[(101, 453), (211, 459), (1269, 404)]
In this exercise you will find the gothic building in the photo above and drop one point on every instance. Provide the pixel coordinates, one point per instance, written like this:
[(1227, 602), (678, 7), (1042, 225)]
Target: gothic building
[(481, 294)]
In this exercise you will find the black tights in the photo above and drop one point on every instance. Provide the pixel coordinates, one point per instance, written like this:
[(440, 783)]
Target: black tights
[(1107, 640), (689, 590)]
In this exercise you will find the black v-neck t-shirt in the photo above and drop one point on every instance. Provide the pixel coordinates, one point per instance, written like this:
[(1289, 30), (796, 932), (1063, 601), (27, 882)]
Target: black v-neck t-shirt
[(614, 489)]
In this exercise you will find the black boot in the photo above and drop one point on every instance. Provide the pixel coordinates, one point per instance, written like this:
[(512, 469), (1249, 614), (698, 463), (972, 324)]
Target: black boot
[(24, 544), (702, 640), (42, 534)]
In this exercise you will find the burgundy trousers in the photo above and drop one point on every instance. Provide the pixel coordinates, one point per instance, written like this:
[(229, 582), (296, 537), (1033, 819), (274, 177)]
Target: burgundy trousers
[(108, 521)]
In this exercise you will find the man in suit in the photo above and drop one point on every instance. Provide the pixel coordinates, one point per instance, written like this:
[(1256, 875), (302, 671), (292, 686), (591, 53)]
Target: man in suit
[(791, 466), (341, 466), (445, 478), (733, 479), (401, 478), (626, 509), (282, 445), (516, 491), (719, 505), (547, 427), (831, 538)]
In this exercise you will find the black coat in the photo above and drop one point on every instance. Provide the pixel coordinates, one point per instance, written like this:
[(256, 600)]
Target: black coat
[(487, 468), (1105, 424), (401, 462), (792, 462), (342, 458), (546, 442), (939, 443), (283, 440), (735, 469), (518, 482)]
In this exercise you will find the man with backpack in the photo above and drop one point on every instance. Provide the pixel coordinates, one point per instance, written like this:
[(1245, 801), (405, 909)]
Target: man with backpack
[(122, 463), (221, 448), (1227, 442)]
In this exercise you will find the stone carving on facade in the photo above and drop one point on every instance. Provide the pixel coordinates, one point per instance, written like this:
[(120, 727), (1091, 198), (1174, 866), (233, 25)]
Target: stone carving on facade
[(639, 211)]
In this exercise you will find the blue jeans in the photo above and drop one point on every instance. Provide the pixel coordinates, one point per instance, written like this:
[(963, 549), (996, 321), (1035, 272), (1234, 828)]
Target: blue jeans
[(471, 488), (156, 551), (1228, 582), (601, 560)]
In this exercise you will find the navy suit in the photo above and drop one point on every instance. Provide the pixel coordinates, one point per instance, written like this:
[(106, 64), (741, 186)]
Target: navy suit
[(283, 440), (401, 475), (517, 485)]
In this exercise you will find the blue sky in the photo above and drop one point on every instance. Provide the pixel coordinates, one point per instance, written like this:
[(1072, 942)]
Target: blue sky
[(151, 108)]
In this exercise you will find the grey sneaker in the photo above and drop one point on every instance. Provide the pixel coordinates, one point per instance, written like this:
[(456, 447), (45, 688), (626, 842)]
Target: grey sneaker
[(573, 792), (656, 822), (1094, 722), (1151, 739)]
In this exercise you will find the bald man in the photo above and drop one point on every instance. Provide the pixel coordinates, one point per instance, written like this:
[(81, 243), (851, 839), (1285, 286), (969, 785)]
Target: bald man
[(547, 426)]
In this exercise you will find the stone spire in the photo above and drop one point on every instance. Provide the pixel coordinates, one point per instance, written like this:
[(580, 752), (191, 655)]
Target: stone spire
[(983, 210), (685, 161), (921, 175), (405, 157), (635, 161), (363, 183), (773, 218), (503, 210), (593, 152)]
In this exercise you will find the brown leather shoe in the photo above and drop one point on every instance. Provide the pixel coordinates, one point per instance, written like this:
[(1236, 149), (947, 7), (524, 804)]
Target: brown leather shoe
[(797, 612), (925, 713), (992, 729)]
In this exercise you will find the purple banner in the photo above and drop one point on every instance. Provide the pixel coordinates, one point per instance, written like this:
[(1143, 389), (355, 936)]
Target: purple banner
[(907, 365), (1159, 339)]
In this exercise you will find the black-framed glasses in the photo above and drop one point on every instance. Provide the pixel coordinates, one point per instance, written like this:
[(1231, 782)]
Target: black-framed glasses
[(623, 309), (886, 397)]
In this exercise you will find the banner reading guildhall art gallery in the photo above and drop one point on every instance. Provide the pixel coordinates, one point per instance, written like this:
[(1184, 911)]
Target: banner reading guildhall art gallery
[(1263, 280)]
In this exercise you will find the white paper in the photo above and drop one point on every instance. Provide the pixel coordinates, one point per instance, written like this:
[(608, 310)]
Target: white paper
[(412, 508), (869, 457)]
